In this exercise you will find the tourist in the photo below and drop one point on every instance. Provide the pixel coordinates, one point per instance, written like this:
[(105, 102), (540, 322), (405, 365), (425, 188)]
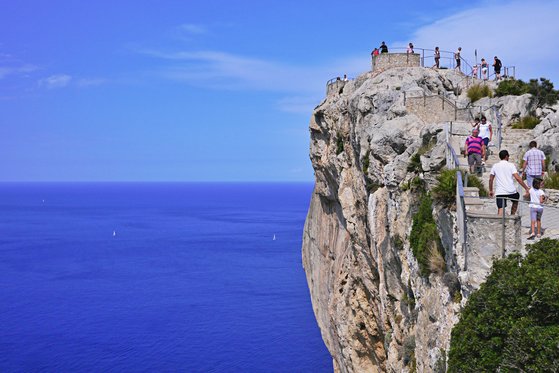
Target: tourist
[(437, 57), (497, 66), (345, 78), (375, 52), (476, 123), (537, 197), (457, 58), (486, 133), (383, 48), (503, 174), (474, 150), (410, 48), (484, 69), (534, 163), (474, 70)]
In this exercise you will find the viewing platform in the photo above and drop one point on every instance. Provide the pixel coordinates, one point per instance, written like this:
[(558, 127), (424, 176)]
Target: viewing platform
[(385, 61)]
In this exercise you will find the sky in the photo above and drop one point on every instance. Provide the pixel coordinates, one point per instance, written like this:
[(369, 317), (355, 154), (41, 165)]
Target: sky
[(208, 90)]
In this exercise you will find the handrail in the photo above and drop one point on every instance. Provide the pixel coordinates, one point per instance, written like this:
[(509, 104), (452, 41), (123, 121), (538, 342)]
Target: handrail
[(338, 79)]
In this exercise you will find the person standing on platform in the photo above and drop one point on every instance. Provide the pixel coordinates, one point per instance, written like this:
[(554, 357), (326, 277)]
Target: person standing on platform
[(457, 58), (437, 56), (383, 48)]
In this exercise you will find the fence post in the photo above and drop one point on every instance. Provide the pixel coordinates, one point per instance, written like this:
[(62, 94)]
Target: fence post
[(503, 228)]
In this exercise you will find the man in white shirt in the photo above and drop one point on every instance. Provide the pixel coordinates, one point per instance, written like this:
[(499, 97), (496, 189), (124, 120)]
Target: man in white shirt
[(534, 163), (504, 173)]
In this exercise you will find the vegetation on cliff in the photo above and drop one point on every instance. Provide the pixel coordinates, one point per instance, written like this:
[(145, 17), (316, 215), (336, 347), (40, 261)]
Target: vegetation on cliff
[(511, 324), (424, 239), (445, 190), (478, 91), (541, 90)]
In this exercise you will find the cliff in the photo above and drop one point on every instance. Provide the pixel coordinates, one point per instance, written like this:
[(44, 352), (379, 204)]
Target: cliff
[(375, 310)]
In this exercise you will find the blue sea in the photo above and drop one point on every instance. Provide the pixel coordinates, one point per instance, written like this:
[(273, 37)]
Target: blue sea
[(155, 277)]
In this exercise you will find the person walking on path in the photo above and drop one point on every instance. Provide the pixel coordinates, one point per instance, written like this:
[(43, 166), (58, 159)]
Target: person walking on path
[(503, 175), (537, 197), (458, 58), (476, 123), (486, 133), (437, 57), (383, 48), (474, 150), (534, 163), (497, 66)]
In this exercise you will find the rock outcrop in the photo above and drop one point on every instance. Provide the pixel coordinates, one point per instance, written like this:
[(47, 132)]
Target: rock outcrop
[(375, 311)]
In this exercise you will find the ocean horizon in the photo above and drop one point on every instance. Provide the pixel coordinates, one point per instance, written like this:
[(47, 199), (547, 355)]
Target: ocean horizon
[(153, 276)]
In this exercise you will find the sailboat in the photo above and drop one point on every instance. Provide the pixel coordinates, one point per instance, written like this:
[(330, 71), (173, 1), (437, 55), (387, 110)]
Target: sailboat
[(114, 233), (273, 239)]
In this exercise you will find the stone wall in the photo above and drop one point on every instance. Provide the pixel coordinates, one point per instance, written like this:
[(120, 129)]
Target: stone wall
[(436, 109), (485, 237), (337, 86), (386, 61)]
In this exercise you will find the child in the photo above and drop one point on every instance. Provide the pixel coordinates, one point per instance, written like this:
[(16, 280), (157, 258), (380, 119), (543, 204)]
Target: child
[(537, 196)]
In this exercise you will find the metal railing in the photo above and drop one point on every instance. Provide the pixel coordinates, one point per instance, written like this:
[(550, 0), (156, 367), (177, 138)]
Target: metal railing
[(549, 222), (453, 163)]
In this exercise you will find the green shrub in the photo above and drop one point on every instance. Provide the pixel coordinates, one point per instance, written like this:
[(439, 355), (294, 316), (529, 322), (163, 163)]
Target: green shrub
[(478, 91), (365, 163), (541, 90), (339, 145), (551, 180), (415, 163), (528, 122), (511, 87), (511, 324), (474, 181), (424, 235), (445, 190)]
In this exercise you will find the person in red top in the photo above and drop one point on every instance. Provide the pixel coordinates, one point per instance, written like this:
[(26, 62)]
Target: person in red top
[(474, 150)]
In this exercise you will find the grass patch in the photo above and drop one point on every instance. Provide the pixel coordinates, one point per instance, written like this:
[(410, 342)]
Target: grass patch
[(424, 236), (366, 162), (339, 145), (551, 180), (445, 190), (478, 91), (474, 181), (528, 123)]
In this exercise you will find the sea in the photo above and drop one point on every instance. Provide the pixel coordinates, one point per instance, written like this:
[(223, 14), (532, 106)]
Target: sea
[(155, 277)]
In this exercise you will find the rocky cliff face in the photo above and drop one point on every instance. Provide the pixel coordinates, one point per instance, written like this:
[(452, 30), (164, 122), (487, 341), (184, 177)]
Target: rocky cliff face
[(376, 313)]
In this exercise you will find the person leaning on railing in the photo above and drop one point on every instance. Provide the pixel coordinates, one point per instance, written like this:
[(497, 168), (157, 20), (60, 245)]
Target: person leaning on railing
[(503, 174)]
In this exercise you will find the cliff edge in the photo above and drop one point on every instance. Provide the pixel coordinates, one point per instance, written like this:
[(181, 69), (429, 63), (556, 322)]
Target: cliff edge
[(376, 311)]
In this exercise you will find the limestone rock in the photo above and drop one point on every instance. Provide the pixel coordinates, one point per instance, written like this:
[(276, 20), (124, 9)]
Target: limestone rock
[(376, 313)]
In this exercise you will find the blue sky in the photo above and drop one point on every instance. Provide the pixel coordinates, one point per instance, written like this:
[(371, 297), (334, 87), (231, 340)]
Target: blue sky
[(214, 90)]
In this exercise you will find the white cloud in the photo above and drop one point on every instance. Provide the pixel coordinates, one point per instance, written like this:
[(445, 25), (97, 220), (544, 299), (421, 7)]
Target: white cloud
[(90, 82), (55, 81), (16, 70), (192, 29), (524, 34)]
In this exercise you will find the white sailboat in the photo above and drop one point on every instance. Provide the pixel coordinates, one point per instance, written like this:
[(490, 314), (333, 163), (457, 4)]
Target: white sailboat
[(273, 239)]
